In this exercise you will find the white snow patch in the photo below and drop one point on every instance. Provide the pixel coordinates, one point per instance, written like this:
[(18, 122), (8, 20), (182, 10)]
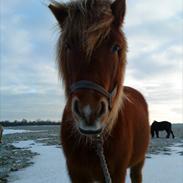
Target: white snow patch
[(12, 131), (163, 168), (48, 167), (24, 144)]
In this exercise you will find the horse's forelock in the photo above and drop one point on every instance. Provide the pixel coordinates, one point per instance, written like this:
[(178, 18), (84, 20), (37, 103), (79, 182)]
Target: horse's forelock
[(90, 21)]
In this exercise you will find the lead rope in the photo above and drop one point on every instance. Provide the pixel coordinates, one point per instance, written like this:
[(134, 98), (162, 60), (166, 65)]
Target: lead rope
[(103, 163)]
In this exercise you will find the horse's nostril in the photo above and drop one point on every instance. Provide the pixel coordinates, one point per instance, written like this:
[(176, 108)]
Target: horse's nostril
[(102, 109), (75, 107)]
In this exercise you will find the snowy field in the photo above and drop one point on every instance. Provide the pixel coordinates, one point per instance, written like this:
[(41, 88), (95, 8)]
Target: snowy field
[(49, 166)]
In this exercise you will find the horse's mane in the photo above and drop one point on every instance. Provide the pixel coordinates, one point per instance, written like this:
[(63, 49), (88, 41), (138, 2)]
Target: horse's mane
[(88, 23)]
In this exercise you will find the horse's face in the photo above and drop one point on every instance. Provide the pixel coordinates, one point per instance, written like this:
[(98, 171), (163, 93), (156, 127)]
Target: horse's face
[(103, 65), (89, 107)]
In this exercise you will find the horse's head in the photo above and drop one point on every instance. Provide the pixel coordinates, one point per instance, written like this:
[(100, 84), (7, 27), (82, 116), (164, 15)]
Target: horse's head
[(92, 59)]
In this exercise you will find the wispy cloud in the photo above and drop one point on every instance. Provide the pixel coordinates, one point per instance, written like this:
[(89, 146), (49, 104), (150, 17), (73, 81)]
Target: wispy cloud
[(29, 82), (155, 55)]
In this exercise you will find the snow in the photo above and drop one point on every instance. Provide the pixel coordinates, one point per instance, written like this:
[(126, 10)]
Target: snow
[(164, 168), (50, 167), (12, 131)]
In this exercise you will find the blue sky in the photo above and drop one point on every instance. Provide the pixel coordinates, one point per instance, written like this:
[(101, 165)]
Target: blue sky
[(29, 84)]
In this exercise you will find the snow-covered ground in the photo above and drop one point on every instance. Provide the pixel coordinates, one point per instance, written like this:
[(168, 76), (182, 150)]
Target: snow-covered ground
[(49, 167), (163, 168)]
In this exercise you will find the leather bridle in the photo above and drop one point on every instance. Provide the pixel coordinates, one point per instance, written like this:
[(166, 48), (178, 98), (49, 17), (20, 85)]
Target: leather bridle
[(84, 84)]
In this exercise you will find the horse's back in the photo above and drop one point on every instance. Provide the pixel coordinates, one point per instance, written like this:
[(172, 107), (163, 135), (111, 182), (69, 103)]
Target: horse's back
[(135, 113), (165, 123), (135, 106), (162, 125), (135, 97)]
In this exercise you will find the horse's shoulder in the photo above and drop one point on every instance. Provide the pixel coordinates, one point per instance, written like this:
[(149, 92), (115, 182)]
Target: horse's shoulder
[(128, 89), (133, 94), (134, 99)]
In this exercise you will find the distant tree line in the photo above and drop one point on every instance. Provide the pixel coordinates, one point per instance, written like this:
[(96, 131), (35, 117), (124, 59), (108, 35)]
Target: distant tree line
[(25, 122)]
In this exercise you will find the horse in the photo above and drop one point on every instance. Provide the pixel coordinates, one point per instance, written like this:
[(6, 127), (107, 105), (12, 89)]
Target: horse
[(91, 57), (161, 126)]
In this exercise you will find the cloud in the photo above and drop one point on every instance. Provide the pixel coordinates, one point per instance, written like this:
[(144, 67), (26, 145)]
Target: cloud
[(142, 11), (28, 77), (32, 106), (154, 31), (27, 54)]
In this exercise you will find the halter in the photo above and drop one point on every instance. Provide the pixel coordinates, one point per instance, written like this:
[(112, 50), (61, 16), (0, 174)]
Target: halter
[(83, 84)]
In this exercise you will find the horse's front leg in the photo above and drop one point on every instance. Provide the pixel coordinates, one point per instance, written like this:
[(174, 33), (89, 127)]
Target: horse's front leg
[(136, 172), (157, 133), (119, 176)]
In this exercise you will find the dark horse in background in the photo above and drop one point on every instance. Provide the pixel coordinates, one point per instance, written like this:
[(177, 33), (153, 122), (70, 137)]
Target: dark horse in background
[(91, 60), (161, 126)]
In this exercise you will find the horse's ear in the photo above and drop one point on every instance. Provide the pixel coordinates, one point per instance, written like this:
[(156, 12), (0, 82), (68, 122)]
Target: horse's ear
[(59, 11), (118, 8)]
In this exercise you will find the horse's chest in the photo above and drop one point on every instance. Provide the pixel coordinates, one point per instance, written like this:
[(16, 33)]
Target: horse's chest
[(86, 159)]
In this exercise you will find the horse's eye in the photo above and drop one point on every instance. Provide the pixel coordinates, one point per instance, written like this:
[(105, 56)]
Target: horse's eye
[(115, 48)]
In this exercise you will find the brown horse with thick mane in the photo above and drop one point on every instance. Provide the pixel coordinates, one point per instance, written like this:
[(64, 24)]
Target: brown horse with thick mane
[(92, 59)]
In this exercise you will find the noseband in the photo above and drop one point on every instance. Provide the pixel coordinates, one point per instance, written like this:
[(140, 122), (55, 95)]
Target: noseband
[(83, 84)]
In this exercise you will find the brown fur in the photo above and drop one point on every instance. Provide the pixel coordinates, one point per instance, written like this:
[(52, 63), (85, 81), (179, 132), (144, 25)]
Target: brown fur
[(89, 30)]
